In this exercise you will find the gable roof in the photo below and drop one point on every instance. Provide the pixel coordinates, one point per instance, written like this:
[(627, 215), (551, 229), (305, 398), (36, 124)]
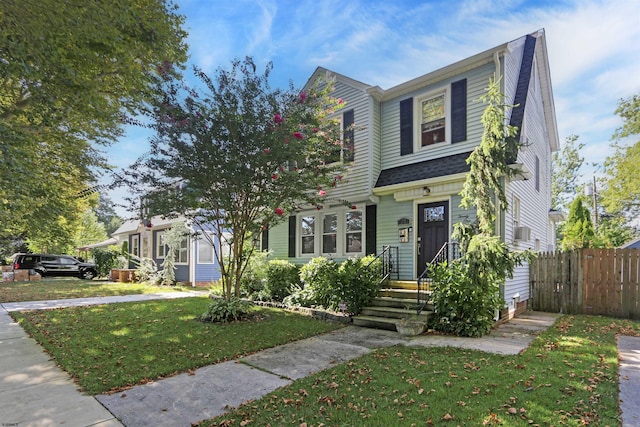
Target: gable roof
[(434, 168)]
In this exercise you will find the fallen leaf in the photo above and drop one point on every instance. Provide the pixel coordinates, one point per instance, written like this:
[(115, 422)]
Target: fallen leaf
[(447, 417)]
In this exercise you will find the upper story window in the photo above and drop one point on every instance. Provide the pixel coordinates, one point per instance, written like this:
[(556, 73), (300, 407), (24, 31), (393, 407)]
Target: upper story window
[(432, 120), (435, 117), (344, 152)]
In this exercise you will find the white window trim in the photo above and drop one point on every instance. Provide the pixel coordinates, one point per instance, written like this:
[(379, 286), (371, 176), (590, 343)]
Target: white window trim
[(517, 207), (341, 249), (183, 250), (203, 240), (160, 245), (417, 118)]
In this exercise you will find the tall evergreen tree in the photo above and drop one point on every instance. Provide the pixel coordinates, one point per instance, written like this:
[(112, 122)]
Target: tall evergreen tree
[(578, 230)]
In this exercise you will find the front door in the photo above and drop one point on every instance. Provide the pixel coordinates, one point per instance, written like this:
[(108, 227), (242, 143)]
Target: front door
[(433, 231)]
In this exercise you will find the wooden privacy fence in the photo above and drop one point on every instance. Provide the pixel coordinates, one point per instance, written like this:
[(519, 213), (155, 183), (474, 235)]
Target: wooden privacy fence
[(587, 281)]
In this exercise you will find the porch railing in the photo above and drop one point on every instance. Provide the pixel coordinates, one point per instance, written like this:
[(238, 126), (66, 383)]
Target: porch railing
[(448, 252), (389, 260)]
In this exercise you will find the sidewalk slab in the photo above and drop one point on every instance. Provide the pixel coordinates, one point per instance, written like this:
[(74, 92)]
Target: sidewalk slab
[(36, 392), (81, 302), (629, 379), (188, 398)]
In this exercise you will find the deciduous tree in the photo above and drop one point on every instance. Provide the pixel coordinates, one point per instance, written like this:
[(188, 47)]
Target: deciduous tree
[(70, 74), (238, 156)]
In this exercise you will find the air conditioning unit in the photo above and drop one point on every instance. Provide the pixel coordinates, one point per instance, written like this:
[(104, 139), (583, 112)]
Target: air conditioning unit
[(522, 233)]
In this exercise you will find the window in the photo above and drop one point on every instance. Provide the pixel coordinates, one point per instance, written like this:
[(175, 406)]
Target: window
[(329, 233), (161, 248), (353, 231), (516, 212), (182, 255), (135, 245), (182, 252), (340, 233), (432, 120), (308, 235), (345, 151)]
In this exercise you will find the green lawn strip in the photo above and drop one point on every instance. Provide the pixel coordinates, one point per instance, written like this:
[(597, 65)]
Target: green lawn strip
[(112, 346), (43, 290), (567, 377)]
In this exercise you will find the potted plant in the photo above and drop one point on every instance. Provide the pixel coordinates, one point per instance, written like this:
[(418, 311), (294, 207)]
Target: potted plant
[(411, 325)]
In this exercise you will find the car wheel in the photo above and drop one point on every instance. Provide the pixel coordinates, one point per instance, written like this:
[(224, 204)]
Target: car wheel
[(87, 274)]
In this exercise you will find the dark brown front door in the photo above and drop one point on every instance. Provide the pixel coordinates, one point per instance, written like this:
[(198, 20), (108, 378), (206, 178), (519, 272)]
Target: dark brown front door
[(433, 231)]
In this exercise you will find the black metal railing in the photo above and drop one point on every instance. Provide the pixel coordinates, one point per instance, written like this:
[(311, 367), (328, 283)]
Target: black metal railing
[(389, 260), (448, 252)]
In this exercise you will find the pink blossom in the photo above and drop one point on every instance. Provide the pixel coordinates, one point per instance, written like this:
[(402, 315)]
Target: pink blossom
[(286, 141), (302, 97), (322, 193), (354, 207), (319, 207), (316, 130), (267, 150), (340, 101), (274, 176), (298, 135), (279, 211), (277, 118)]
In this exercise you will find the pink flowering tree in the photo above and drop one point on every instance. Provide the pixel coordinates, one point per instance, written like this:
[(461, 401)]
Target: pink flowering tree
[(237, 156)]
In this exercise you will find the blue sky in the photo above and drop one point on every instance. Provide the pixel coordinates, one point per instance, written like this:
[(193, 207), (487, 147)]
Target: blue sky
[(594, 49)]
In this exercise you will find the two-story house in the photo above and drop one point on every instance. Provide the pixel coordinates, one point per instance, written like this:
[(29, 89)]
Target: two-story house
[(406, 149)]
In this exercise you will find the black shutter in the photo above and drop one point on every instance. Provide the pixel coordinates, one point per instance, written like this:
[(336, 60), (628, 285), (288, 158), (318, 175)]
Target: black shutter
[(348, 136), (522, 87), (292, 236), (370, 229), (406, 126), (265, 240), (459, 111)]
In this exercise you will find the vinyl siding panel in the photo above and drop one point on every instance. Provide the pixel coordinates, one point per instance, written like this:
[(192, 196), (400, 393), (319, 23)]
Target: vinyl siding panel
[(389, 212), (477, 81), (279, 240), (356, 181), (534, 203)]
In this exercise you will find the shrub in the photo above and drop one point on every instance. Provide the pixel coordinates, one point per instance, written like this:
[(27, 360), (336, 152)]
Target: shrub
[(283, 277), (255, 276), (147, 270), (221, 310), (460, 306), (320, 276), (304, 297), (106, 260), (359, 283)]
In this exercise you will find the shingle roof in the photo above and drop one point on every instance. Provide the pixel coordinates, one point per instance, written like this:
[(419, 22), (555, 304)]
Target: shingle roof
[(427, 169)]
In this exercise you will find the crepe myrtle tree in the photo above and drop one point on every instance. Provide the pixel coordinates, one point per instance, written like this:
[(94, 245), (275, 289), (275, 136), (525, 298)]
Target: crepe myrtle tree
[(235, 157)]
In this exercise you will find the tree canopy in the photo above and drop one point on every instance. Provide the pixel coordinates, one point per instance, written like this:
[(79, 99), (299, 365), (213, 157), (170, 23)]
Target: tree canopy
[(235, 155), (71, 74), (578, 230)]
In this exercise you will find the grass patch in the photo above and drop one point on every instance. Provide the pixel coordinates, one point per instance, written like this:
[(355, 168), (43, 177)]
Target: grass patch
[(112, 346), (50, 289), (567, 377)]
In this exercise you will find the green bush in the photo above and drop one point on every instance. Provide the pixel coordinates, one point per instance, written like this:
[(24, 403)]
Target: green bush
[(106, 260), (255, 276), (304, 297), (346, 287), (221, 310), (359, 283), (283, 277), (319, 278), (460, 306)]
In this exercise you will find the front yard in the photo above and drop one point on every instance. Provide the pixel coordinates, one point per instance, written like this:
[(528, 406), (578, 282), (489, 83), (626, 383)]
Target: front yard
[(61, 288), (114, 346)]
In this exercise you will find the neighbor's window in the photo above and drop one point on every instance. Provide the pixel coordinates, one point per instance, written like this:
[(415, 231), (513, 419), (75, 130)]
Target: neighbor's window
[(205, 250), (308, 225), (353, 231), (432, 121), (161, 248), (182, 252), (516, 212), (329, 233)]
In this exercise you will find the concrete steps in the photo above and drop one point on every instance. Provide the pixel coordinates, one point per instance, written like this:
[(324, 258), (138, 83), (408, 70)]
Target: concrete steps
[(396, 302)]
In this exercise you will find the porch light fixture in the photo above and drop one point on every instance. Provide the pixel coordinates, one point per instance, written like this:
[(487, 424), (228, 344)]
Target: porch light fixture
[(426, 191)]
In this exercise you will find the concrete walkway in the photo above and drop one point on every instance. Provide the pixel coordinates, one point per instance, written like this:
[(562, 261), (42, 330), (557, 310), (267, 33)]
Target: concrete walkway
[(34, 392)]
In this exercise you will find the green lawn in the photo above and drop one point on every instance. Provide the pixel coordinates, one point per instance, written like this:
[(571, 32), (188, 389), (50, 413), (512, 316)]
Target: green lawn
[(61, 288), (568, 377), (112, 346)]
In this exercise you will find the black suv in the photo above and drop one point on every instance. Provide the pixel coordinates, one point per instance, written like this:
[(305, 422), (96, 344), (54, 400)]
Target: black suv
[(55, 265)]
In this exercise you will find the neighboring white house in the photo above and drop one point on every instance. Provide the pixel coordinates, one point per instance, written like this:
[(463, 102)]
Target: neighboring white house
[(406, 159)]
